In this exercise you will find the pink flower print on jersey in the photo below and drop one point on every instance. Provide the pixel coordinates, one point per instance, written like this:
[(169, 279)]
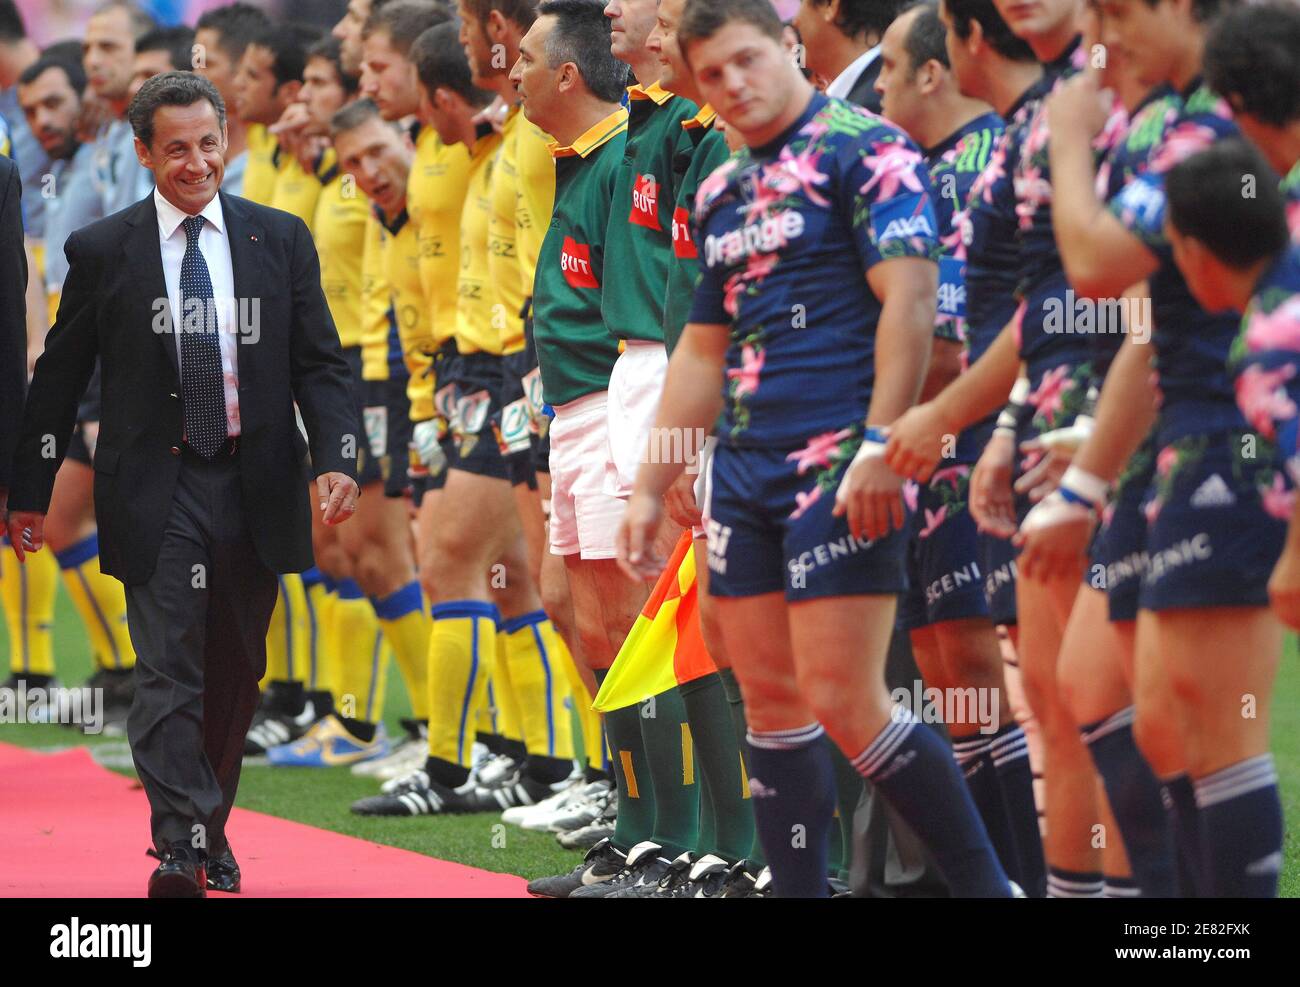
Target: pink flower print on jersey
[(819, 450), (1033, 192), (715, 184), (1262, 397), (993, 172), (911, 494), (746, 375), (1182, 142), (893, 165), (766, 195), (1166, 461), (932, 520), (1047, 399), (1293, 219), (797, 172), (803, 501), (1277, 500), (951, 475), (1278, 330)]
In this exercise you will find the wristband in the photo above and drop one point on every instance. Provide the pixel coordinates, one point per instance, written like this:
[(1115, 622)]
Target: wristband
[(1083, 487), (1009, 419)]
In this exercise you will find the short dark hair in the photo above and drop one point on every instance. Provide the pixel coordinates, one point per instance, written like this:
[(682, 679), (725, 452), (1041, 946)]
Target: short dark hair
[(582, 36), (522, 12), (287, 44), (440, 62), (178, 42), (141, 22), (702, 19), (12, 27), (68, 50), (861, 18), (996, 31), (236, 25), (73, 70), (1206, 200), (927, 38), (170, 89), (1252, 59), (1203, 11), (330, 49), (353, 116), (404, 21)]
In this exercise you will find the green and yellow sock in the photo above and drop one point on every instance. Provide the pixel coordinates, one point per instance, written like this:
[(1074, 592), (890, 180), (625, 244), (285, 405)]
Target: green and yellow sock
[(726, 814), (670, 756), (636, 796)]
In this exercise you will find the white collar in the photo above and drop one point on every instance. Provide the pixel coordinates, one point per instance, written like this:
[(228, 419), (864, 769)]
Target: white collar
[(844, 82), (169, 217)]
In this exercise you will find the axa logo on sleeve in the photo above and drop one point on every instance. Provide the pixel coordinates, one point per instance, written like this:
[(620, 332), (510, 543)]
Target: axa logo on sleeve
[(645, 202), (771, 234), (575, 263), (902, 218)]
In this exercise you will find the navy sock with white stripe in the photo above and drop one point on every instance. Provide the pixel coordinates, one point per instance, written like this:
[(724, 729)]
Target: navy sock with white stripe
[(1179, 797), (1241, 829), (1009, 751), (913, 770), (1074, 884), (1134, 795), (976, 765), (1121, 887), (792, 787)]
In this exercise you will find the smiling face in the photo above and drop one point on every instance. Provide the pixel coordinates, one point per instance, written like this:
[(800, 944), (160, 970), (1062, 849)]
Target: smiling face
[(747, 77), (388, 78), (107, 52), (674, 73), (380, 160), (185, 154), (51, 106)]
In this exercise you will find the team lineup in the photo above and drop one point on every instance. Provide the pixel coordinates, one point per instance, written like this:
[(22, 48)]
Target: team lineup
[(738, 422)]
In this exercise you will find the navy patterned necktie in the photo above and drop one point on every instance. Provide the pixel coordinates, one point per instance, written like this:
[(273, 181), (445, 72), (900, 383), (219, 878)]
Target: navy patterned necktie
[(203, 389)]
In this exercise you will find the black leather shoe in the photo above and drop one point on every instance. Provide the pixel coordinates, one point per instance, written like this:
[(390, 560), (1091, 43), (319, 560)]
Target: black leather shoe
[(223, 872), (180, 875)]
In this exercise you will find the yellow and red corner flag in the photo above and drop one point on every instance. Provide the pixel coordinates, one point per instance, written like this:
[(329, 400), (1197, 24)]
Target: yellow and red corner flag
[(665, 647)]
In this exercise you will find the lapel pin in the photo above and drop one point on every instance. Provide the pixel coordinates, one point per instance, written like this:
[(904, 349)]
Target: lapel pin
[(253, 237)]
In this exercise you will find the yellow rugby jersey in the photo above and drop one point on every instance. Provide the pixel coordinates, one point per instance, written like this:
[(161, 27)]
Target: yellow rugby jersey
[(296, 190), (536, 199), (260, 172), (380, 344), (504, 266), (476, 329), (435, 196), (339, 229), (401, 268)]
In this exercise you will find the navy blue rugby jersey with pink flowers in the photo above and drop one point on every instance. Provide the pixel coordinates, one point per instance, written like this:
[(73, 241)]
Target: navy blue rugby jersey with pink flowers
[(955, 164), (1191, 345), (1265, 358), (786, 234)]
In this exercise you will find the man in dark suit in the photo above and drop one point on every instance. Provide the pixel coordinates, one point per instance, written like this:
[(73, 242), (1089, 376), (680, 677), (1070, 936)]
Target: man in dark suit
[(841, 41), (207, 315), (13, 321)]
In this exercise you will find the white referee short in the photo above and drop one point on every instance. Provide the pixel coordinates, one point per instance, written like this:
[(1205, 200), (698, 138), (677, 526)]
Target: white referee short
[(635, 386), (584, 519)]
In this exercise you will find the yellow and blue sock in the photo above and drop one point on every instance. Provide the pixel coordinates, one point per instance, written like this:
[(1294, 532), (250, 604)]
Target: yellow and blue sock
[(363, 661), (286, 637), (539, 684), (406, 627), (314, 597), (462, 651), (27, 590), (101, 602)]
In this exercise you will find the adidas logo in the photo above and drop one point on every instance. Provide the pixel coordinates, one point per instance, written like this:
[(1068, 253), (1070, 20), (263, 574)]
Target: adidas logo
[(1213, 492)]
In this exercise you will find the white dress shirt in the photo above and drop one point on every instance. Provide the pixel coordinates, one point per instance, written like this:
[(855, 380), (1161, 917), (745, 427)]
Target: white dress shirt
[(845, 81), (215, 245)]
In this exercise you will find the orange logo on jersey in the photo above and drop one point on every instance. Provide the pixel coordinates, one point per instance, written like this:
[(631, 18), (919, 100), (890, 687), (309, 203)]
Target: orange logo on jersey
[(645, 202), (683, 245), (575, 262)]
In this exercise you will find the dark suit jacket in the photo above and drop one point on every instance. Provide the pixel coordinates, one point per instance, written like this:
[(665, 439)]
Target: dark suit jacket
[(111, 304), (864, 92), (13, 314)]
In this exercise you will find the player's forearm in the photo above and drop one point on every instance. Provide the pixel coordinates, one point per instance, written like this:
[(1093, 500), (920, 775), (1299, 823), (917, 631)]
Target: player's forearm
[(692, 398), (904, 334), (1125, 413), (982, 389)]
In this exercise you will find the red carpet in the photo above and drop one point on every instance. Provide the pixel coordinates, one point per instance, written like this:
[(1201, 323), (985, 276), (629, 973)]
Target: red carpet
[(70, 828)]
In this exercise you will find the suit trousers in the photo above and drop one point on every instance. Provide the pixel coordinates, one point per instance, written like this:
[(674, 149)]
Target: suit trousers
[(199, 626)]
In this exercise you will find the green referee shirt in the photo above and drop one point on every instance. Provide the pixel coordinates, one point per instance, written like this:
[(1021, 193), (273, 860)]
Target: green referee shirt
[(575, 350), (684, 270), (639, 242)]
